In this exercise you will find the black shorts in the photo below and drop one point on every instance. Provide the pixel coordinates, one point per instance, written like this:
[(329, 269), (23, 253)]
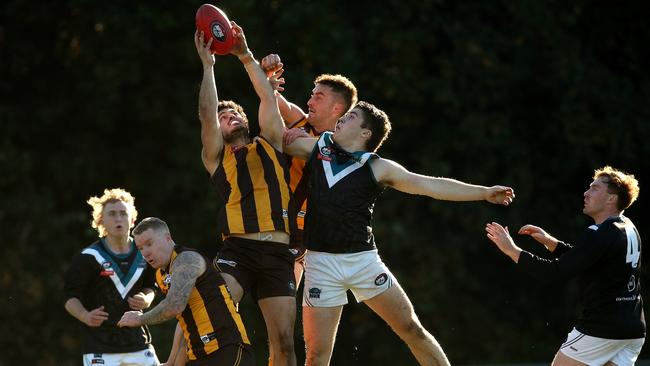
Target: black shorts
[(230, 355), (297, 247), (263, 268)]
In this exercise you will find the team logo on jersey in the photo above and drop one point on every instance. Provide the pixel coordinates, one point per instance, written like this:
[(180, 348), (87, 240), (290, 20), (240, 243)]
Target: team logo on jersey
[(293, 252), (631, 284), (224, 261), (107, 271), (148, 353), (314, 293), (168, 279), (285, 213), (97, 361), (206, 338), (381, 279), (325, 153), (292, 286)]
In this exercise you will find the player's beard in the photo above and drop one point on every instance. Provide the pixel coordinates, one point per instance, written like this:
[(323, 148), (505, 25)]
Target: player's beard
[(239, 132)]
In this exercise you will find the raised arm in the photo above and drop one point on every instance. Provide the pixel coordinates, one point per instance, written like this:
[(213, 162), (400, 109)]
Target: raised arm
[(290, 112), (187, 267), (211, 136), (271, 125), (301, 147), (392, 174)]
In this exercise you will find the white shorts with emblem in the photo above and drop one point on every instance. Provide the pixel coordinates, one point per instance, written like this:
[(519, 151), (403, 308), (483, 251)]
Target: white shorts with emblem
[(598, 351), (146, 357), (328, 276)]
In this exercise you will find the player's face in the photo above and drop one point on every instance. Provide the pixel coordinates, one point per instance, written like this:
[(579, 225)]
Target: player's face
[(232, 124), (117, 218), (155, 247), (597, 199), (322, 104), (348, 128)]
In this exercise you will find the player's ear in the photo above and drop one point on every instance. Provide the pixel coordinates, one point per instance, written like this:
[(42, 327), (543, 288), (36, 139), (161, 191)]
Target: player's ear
[(613, 198), (338, 108)]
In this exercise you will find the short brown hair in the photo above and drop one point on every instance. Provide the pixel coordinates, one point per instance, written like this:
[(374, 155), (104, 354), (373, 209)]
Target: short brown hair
[(110, 196), (622, 184), (153, 223), (229, 104), (377, 122), (341, 86)]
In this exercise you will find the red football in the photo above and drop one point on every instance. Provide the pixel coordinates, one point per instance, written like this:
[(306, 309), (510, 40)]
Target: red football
[(215, 24)]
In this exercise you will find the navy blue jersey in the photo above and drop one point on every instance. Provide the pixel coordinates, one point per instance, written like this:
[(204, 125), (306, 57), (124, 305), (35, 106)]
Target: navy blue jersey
[(607, 261), (97, 277), (341, 197)]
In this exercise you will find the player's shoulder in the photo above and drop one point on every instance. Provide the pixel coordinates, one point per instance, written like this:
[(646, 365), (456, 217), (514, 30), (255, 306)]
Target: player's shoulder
[(326, 136), (187, 255), (90, 250), (606, 230)]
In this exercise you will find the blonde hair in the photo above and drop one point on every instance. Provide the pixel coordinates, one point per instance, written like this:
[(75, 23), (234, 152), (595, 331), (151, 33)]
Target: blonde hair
[(110, 196), (622, 184)]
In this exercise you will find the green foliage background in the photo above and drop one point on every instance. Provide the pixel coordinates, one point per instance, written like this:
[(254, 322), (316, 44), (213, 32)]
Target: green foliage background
[(531, 94)]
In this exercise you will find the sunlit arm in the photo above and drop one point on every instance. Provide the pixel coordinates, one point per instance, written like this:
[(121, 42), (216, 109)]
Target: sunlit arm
[(394, 175)]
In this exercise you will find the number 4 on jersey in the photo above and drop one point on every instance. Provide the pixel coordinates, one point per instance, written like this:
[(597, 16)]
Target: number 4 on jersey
[(633, 248)]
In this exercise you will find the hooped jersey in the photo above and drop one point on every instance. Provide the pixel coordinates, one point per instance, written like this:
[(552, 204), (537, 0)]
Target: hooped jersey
[(253, 181), (210, 319), (607, 261), (341, 200)]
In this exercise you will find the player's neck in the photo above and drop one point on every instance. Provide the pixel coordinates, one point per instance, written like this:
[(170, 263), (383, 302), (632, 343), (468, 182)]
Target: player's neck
[(321, 126), (600, 217), (352, 146), (118, 244), (238, 143)]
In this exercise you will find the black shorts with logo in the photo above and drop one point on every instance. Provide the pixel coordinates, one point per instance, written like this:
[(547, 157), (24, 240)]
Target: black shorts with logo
[(263, 268), (297, 247), (230, 355)]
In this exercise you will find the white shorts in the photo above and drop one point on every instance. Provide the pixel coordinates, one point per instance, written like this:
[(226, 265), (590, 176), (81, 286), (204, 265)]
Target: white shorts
[(328, 277), (598, 351), (146, 357)]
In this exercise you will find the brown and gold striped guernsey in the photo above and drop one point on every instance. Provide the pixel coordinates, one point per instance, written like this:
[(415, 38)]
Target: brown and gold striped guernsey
[(253, 180), (300, 177), (210, 320)]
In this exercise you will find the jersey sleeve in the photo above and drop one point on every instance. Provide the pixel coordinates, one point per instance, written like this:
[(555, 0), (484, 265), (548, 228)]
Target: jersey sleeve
[(80, 274), (572, 261), (561, 248)]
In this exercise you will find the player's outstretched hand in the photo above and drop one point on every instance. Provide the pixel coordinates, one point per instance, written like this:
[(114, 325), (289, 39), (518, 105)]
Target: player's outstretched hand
[(203, 49), (540, 235), (501, 237), (271, 64), (501, 195), (138, 301), (276, 81), (130, 319), (95, 317), (240, 47), (292, 134)]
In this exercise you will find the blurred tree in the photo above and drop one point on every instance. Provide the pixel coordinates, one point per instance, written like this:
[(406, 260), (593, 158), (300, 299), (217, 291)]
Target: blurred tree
[(530, 94)]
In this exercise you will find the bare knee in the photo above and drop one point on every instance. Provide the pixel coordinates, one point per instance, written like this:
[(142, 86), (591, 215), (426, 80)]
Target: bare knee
[(411, 329), (283, 343), (316, 356)]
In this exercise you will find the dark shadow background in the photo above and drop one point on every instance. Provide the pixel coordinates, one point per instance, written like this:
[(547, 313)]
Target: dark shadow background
[(531, 94)]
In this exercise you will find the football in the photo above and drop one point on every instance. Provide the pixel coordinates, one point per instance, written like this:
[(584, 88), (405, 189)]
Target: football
[(216, 26)]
